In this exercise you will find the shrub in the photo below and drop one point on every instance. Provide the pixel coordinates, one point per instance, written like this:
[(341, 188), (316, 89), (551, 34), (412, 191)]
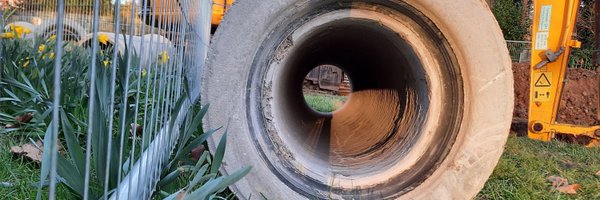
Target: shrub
[(508, 14)]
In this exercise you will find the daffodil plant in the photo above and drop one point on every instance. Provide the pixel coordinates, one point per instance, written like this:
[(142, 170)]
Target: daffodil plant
[(26, 72)]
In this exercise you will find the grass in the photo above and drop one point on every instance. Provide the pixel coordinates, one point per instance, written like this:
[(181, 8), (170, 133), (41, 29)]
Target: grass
[(22, 173), (324, 103), (522, 171)]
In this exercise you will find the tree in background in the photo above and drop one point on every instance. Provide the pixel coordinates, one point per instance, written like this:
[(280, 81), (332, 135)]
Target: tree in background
[(509, 16), (585, 24), (596, 54), (516, 16), (526, 16), (586, 33)]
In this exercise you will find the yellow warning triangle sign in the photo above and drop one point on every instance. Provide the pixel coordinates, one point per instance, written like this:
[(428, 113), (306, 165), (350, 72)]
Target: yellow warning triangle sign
[(543, 81)]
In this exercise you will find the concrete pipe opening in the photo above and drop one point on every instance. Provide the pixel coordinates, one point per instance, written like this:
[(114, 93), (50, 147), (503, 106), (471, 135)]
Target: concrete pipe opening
[(384, 112), (388, 129), (403, 124)]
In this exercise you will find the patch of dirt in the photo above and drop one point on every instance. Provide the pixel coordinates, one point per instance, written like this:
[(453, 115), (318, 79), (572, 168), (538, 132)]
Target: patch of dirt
[(580, 103), (521, 78), (579, 99)]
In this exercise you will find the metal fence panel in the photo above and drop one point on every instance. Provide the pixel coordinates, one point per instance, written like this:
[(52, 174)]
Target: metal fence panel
[(519, 50), (140, 53)]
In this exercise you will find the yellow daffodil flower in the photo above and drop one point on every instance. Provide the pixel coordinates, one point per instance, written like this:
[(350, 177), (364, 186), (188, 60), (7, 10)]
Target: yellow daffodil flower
[(20, 30), (102, 38), (164, 58), (106, 63), (26, 63), (50, 57), (41, 48), (16, 31), (52, 38), (7, 35)]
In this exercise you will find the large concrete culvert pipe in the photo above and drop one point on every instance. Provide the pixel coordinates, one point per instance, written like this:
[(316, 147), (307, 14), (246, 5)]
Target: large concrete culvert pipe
[(427, 118)]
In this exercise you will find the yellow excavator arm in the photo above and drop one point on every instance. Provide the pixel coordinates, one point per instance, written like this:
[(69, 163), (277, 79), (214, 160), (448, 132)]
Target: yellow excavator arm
[(552, 40), (170, 10)]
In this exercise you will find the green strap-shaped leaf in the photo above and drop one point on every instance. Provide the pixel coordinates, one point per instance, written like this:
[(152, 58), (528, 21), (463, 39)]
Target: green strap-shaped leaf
[(200, 162), (219, 154), (175, 111), (197, 177), (205, 178), (195, 125), (65, 170), (173, 196), (73, 145), (169, 178), (217, 184), (199, 140), (189, 129), (45, 160)]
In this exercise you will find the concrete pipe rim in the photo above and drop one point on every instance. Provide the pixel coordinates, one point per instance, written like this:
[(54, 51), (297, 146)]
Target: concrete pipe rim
[(417, 100)]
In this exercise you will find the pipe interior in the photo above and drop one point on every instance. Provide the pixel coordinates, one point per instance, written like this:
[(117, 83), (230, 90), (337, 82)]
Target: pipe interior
[(385, 109)]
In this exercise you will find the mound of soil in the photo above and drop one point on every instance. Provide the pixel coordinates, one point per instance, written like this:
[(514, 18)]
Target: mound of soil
[(579, 101)]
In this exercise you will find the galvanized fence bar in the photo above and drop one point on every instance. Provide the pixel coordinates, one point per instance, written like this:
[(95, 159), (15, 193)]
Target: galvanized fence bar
[(519, 50), (92, 100), (56, 104)]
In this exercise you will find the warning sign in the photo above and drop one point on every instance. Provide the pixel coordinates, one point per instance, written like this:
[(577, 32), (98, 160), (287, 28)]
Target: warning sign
[(542, 80), (542, 95), (542, 90)]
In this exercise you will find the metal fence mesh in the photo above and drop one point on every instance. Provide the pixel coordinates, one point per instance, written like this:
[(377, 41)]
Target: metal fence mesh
[(519, 50), (139, 63)]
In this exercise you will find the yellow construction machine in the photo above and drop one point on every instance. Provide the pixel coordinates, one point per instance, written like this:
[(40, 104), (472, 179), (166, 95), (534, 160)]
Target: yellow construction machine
[(553, 28), (170, 10), (218, 10)]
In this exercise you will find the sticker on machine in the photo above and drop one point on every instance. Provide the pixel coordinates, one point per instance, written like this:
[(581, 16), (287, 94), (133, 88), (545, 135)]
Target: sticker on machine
[(545, 15), (543, 79), (541, 41), (542, 87)]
